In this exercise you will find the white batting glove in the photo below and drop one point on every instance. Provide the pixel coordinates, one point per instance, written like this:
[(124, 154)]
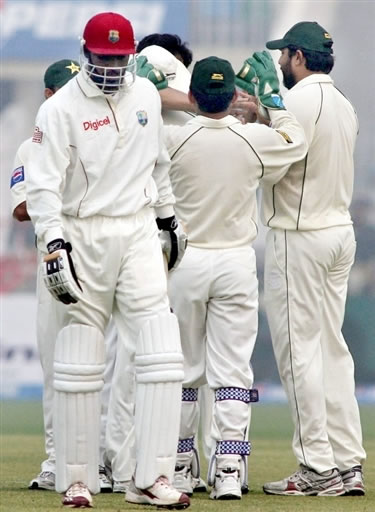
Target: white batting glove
[(59, 274), (173, 240)]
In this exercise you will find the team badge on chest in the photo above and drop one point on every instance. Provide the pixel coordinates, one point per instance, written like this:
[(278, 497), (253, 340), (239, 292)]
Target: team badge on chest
[(142, 117)]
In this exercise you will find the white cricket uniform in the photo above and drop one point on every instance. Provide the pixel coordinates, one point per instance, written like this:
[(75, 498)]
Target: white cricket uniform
[(97, 169), (309, 252), (216, 168), (49, 322), (120, 427)]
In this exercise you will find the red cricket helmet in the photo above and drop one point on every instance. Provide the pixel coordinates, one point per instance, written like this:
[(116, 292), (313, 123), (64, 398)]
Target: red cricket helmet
[(109, 33)]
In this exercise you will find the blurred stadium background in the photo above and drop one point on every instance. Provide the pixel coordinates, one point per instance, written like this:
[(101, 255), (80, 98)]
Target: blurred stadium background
[(35, 33)]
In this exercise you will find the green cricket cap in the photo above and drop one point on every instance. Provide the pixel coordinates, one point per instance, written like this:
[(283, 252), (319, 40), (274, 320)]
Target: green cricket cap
[(307, 35), (59, 73), (213, 75)]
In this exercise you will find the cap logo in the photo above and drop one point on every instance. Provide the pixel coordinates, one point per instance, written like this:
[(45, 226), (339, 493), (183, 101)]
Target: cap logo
[(73, 68), (327, 36), (217, 76), (114, 36)]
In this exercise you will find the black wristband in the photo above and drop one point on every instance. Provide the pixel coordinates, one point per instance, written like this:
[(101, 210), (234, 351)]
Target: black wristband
[(55, 245), (167, 224)]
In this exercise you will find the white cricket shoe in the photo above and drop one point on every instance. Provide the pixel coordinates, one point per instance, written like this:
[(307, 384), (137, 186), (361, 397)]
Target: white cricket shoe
[(77, 496), (307, 482), (121, 485), (44, 481), (353, 481), (104, 480), (227, 484), (182, 480), (162, 494)]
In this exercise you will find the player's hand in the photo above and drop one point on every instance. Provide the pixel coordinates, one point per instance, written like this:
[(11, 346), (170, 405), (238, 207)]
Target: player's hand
[(147, 70), (245, 108), (246, 78), (173, 240), (268, 90), (59, 274)]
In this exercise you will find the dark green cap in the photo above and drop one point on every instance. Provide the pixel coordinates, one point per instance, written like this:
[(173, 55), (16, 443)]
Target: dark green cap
[(59, 73), (213, 76), (307, 35)]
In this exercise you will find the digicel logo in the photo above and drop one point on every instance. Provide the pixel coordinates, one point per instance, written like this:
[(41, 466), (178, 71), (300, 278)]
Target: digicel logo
[(95, 125)]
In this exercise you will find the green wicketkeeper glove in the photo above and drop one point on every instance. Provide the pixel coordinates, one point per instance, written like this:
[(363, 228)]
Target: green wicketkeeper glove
[(246, 77), (268, 82), (146, 70)]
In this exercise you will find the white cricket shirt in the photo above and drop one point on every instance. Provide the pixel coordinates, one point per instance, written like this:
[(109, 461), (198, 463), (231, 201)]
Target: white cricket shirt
[(96, 154), (317, 191), (216, 168)]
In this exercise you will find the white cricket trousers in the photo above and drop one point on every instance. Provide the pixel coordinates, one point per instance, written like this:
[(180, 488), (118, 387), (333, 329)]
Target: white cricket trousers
[(306, 281), (214, 293)]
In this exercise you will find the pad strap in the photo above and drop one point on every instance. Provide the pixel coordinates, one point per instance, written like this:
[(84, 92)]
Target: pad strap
[(233, 448), (189, 394), (185, 445), (241, 394)]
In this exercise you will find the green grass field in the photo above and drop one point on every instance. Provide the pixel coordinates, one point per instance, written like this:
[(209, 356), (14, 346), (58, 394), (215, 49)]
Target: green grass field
[(271, 459)]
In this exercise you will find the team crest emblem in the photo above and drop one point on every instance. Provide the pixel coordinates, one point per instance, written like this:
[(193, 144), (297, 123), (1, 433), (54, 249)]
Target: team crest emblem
[(114, 36), (142, 117)]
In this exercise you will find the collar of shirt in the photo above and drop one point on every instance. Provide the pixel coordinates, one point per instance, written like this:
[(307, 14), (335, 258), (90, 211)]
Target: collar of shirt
[(209, 122), (313, 79)]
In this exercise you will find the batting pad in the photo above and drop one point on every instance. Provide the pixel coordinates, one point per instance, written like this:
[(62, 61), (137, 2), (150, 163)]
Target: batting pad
[(78, 380), (159, 376)]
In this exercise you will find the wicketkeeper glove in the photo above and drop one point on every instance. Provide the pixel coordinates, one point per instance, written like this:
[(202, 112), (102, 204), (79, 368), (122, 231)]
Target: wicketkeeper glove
[(268, 83), (59, 274), (173, 240), (246, 78), (147, 70)]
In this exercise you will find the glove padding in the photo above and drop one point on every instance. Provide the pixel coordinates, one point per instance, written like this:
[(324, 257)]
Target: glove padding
[(173, 240), (246, 77), (268, 83), (147, 70), (59, 274)]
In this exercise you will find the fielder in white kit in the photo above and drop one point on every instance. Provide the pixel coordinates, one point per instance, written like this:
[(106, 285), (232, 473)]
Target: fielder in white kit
[(309, 253), (98, 174), (217, 164)]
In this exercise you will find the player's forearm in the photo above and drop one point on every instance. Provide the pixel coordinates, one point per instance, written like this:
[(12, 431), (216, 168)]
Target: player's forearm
[(172, 99)]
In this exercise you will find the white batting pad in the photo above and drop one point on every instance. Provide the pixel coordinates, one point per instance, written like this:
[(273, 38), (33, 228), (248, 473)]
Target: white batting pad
[(159, 374), (78, 380)]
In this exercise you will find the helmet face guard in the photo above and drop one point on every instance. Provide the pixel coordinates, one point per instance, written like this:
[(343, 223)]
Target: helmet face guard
[(109, 35), (109, 79)]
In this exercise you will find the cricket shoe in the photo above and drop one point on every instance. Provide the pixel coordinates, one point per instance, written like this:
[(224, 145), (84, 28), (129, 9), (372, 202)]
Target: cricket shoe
[(162, 494), (182, 480), (199, 485), (44, 481), (227, 484), (121, 485), (104, 480), (307, 482), (77, 496), (353, 481)]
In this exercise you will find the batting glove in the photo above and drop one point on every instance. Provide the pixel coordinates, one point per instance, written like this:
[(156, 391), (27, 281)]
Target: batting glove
[(59, 274), (173, 240)]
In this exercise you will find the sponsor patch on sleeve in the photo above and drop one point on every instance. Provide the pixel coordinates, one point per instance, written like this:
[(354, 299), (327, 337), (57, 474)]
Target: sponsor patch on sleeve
[(18, 175), (38, 135), (285, 136)]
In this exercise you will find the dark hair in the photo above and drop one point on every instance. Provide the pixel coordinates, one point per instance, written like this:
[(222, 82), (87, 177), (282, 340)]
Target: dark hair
[(212, 103), (170, 42), (315, 61)]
